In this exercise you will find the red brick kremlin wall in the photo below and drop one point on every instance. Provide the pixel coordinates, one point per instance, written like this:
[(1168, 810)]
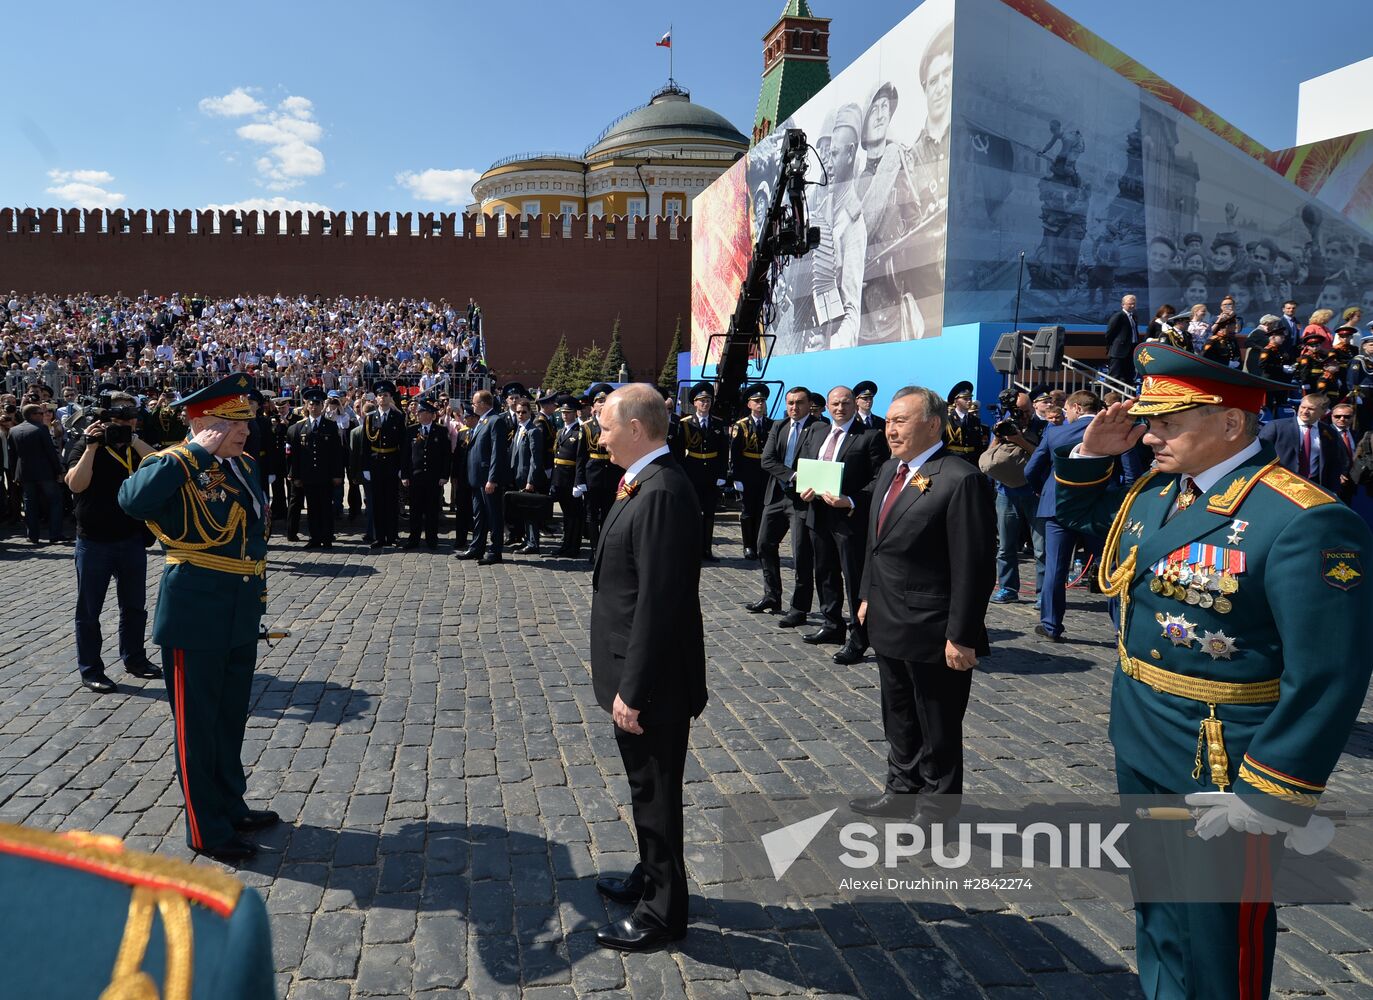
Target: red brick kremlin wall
[(532, 288)]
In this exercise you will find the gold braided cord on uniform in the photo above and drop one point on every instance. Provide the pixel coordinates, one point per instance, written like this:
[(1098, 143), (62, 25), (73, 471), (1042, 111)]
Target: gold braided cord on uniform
[(1277, 791), (221, 564), (1297, 782), (1115, 582), (180, 957), (196, 513), (128, 982), (1201, 688)]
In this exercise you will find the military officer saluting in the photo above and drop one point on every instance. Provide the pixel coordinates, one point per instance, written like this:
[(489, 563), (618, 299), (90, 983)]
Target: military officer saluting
[(569, 466), (383, 438), (202, 501), (748, 436), (600, 477), (705, 460), (1221, 560), (427, 466), (315, 463)]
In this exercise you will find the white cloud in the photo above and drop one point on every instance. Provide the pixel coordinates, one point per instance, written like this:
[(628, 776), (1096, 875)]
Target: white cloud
[(289, 134), (447, 187), (276, 204), (235, 104), (84, 188)]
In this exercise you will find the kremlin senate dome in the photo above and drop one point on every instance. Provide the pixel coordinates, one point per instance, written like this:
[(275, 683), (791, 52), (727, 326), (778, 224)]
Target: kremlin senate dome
[(651, 161)]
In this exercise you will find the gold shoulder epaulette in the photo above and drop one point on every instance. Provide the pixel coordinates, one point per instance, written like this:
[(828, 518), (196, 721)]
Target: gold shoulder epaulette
[(180, 452), (1300, 491), (105, 856)]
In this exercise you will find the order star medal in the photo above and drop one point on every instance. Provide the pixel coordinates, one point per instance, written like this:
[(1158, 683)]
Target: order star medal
[(1217, 645), (1179, 630), (1237, 529)]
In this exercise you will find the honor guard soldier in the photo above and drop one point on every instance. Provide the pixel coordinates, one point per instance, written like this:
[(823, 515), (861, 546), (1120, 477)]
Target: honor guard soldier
[(212, 936), (162, 426), (863, 394), (383, 438), (259, 447), (543, 419), (600, 475), (315, 465), (750, 433), (202, 501), (964, 435), (705, 460), (429, 462), (569, 467), (1221, 561)]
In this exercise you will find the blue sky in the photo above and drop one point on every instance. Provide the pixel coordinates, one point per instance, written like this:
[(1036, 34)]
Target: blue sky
[(356, 106)]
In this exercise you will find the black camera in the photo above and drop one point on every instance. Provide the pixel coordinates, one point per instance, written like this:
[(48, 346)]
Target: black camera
[(118, 435), (1005, 428)]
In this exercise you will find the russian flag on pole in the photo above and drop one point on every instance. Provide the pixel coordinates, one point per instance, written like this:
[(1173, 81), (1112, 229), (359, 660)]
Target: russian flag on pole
[(666, 40)]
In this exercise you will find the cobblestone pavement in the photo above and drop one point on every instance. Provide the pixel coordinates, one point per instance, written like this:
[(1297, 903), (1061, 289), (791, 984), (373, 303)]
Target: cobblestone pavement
[(451, 789)]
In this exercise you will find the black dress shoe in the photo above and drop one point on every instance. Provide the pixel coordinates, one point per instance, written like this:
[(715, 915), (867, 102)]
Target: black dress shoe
[(98, 682), (466, 554), (376, 545), (293, 538), (231, 852), (849, 655), (412, 544), (312, 544), (326, 545), (630, 935), (760, 606), (147, 670), (792, 619), (825, 635), (886, 804), (629, 889), (490, 560), (750, 554), (257, 819)]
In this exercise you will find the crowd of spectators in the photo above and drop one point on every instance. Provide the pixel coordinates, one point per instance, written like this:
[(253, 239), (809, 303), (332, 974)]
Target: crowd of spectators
[(182, 341)]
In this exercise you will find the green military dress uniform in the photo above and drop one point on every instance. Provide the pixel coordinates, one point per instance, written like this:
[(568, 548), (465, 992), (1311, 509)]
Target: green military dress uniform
[(212, 520), (1222, 684), (90, 918)]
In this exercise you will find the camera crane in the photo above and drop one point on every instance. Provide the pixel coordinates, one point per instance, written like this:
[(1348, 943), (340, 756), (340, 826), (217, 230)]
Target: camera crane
[(784, 234)]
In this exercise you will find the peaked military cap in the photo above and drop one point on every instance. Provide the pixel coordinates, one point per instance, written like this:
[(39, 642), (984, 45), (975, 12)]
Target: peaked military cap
[(960, 388), (1176, 380), (702, 389), (314, 394), (865, 388), (227, 399), (386, 386), (552, 398), (600, 390), (567, 401), (427, 405), (757, 391)]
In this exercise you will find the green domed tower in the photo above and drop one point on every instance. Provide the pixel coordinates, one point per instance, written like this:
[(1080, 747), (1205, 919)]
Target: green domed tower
[(796, 64)]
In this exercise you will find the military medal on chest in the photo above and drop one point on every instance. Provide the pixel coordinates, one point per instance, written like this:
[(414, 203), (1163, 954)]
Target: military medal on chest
[(1202, 575)]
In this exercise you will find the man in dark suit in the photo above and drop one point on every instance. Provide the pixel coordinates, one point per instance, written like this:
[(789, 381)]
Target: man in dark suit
[(783, 512), (38, 469), (315, 464), (1306, 445), (1059, 541), (1122, 334), (384, 440), (748, 435), (429, 462), (838, 523), (487, 466), (527, 474), (927, 576), (648, 664)]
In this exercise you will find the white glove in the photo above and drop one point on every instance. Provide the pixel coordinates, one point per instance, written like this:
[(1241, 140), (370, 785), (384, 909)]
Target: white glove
[(366, 476), (1221, 811), (738, 486), (579, 491), (719, 482), (271, 480)]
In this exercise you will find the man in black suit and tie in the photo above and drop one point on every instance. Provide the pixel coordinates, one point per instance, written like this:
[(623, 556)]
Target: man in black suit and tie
[(1293, 326), (527, 473), (426, 471), (838, 522), (487, 467), (928, 574), (648, 665), (315, 465), (1122, 334), (38, 469), (783, 511), (1306, 445)]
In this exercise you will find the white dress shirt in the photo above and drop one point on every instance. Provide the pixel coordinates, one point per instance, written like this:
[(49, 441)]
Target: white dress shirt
[(633, 471)]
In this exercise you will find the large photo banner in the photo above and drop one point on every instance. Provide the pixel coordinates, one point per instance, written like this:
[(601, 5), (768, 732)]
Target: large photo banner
[(880, 173)]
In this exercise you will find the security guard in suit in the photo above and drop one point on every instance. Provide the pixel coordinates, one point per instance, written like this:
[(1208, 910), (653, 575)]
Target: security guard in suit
[(383, 440), (147, 925), (1221, 561), (600, 476), (315, 462), (705, 460), (428, 464), (748, 435), (569, 465), (202, 501)]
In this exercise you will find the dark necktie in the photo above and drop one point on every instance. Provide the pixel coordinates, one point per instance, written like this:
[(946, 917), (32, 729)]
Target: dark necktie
[(831, 445), (893, 491), (242, 482), (1304, 462)]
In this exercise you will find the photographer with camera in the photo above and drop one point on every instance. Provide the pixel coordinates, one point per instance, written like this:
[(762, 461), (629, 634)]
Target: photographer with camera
[(109, 543), (1014, 438)]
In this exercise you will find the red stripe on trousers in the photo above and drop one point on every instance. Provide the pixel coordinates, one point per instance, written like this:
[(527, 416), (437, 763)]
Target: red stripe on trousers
[(179, 662), (1253, 914)]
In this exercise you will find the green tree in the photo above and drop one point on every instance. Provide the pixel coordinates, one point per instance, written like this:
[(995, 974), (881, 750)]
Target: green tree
[(558, 376), (589, 367), (615, 355), (667, 378)]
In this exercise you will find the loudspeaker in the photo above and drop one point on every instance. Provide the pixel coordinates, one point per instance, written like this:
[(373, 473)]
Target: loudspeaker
[(1046, 354), (1006, 356)]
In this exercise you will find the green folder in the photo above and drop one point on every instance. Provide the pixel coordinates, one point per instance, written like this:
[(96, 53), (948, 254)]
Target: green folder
[(822, 477)]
